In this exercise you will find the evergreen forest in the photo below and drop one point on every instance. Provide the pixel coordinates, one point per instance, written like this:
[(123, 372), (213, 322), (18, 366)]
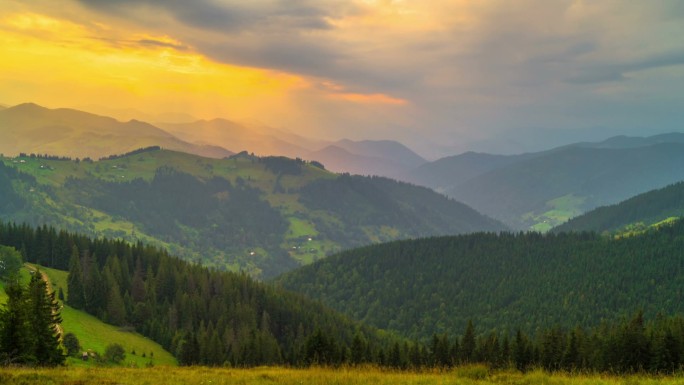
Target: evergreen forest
[(634, 214), (216, 318), (501, 281)]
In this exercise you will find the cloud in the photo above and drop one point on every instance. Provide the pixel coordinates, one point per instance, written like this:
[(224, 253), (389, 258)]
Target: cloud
[(467, 70), (619, 71), (233, 16), (160, 43)]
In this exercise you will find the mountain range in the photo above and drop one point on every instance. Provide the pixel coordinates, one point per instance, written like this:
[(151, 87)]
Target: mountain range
[(541, 190), (535, 191), (30, 128), (366, 157)]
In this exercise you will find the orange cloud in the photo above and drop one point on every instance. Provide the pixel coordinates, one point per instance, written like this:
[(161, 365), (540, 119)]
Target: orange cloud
[(370, 98), (79, 60), (61, 63)]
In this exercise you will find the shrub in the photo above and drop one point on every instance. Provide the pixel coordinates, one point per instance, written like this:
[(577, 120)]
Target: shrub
[(114, 353), (72, 345)]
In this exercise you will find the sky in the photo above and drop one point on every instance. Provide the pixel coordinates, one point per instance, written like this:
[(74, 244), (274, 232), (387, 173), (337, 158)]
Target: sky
[(440, 76)]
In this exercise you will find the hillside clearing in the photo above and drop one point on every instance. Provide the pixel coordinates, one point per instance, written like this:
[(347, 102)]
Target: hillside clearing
[(95, 335)]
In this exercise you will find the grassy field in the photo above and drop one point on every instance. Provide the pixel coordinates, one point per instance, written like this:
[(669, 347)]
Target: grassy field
[(95, 335), (209, 376), (559, 211)]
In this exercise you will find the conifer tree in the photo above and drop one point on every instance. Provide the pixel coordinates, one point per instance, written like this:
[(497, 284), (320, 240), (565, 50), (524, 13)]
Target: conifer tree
[(44, 319), (15, 342), (76, 297), (468, 343)]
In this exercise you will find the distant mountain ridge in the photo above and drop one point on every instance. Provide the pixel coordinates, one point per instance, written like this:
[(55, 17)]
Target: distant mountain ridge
[(30, 128), (258, 139), (366, 157), (542, 190), (386, 149), (624, 141), (636, 213)]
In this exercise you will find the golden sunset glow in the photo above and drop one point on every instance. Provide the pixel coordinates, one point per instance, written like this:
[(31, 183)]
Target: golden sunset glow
[(80, 70), (58, 62), (465, 71)]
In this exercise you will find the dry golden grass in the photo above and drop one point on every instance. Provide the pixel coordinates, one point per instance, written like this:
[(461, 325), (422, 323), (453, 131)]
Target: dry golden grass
[(273, 375)]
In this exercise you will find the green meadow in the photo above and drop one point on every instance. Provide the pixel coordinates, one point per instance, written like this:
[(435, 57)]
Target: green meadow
[(94, 335)]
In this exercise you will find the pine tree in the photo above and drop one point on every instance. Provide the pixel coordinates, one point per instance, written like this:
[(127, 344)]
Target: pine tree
[(358, 349), (116, 309), (15, 341), (468, 343), (76, 298), (44, 319), (522, 352)]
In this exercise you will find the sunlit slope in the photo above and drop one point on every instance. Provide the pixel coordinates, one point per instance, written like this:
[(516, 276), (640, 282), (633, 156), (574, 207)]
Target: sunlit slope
[(95, 335), (633, 214), (262, 215), (30, 128)]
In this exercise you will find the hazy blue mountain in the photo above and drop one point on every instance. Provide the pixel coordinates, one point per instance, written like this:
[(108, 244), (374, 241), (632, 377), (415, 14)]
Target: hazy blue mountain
[(636, 141), (448, 172), (386, 149), (338, 159), (547, 190), (544, 189), (634, 214), (382, 157)]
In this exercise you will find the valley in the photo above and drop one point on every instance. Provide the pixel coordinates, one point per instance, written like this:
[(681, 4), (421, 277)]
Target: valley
[(538, 191), (260, 215)]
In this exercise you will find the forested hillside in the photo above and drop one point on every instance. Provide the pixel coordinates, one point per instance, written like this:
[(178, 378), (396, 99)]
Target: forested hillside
[(547, 190), (529, 281), (633, 214), (214, 318), (202, 316), (260, 215)]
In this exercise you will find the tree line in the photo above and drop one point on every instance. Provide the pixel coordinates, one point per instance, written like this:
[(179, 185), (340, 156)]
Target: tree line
[(209, 317), (501, 281), (202, 316)]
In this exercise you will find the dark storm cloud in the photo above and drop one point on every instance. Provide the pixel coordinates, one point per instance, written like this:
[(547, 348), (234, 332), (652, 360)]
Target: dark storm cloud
[(619, 71), (232, 16), (277, 34), (529, 63)]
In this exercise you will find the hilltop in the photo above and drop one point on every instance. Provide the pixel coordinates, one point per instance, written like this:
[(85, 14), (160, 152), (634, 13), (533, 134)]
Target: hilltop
[(30, 128), (262, 215)]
